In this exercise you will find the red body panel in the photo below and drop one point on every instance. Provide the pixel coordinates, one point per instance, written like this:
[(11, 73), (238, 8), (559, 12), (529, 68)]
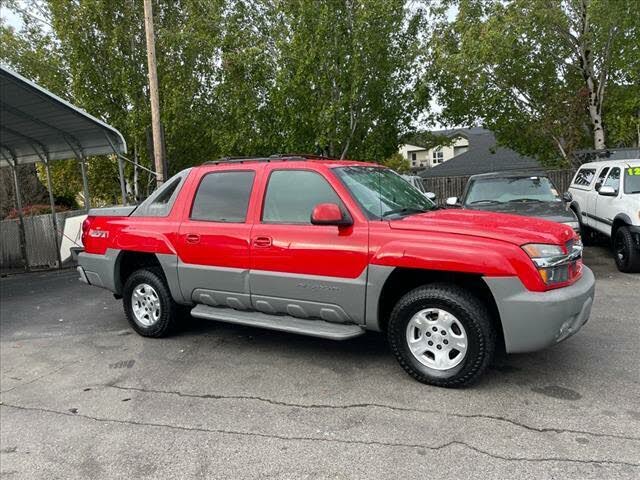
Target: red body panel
[(478, 242)]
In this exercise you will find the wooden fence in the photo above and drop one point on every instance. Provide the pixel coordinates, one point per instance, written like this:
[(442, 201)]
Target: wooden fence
[(445, 187)]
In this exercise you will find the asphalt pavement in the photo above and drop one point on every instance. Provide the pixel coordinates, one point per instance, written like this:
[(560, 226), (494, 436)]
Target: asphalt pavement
[(83, 397)]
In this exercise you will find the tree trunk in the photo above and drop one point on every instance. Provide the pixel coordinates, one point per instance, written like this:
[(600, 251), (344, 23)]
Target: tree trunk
[(595, 86)]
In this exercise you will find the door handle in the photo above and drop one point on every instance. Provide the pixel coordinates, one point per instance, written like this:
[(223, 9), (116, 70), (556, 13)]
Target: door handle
[(262, 242), (193, 238)]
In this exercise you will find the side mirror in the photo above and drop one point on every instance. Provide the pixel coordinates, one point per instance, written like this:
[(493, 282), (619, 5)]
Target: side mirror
[(431, 196), (567, 197), (330, 214), (452, 201), (607, 191)]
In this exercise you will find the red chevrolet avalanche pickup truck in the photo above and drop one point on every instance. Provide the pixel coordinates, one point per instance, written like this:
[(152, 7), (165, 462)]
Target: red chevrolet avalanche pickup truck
[(334, 248)]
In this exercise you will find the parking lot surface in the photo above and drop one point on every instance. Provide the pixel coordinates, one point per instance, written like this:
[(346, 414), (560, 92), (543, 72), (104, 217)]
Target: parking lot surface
[(85, 398)]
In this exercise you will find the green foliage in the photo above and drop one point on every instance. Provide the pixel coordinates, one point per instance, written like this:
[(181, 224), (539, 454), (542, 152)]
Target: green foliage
[(398, 163), (515, 67), (237, 77)]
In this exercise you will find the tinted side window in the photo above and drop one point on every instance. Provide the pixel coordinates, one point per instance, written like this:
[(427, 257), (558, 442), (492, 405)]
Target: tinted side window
[(292, 194), (584, 177), (613, 180), (223, 197), (160, 202), (603, 173)]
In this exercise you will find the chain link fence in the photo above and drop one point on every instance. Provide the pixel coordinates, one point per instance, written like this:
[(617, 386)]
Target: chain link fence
[(40, 238)]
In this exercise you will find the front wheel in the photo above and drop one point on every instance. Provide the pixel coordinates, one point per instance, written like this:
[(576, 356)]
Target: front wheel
[(442, 335), (148, 305), (626, 253)]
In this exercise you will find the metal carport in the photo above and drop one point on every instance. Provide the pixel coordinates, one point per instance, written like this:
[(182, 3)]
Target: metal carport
[(38, 126)]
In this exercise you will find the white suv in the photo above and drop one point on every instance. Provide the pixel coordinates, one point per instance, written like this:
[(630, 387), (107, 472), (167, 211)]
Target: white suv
[(606, 199)]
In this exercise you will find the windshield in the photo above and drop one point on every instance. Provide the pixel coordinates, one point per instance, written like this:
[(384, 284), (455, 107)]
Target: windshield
[(632, 180), (504, 190), (382, 193)]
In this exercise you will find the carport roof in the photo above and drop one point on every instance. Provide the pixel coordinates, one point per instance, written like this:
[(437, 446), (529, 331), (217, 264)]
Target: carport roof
[(34, 121)]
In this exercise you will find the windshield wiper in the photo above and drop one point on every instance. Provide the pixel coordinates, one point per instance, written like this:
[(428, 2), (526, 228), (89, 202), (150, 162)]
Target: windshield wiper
[(526, 200), (404, 210), (484, 201)]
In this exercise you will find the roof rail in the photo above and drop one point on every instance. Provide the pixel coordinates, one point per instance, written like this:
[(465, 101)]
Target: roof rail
[(279, 157)]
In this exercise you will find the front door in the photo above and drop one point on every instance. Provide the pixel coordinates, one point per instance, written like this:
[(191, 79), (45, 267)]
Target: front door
[(213, 241), (607, 207), (305, 270)]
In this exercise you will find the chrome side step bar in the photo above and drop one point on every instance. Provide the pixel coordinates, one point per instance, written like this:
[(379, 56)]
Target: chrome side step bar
[(285, 323)]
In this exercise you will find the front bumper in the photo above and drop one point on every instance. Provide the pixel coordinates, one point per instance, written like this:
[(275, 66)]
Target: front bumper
[(535, 320)]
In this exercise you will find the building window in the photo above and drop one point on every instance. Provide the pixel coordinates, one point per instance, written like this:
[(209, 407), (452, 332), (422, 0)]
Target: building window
[(414, 158), (460, 149), (438, 156)]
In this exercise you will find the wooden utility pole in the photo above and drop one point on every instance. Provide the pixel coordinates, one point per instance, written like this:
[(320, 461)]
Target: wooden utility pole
[(158, 147)]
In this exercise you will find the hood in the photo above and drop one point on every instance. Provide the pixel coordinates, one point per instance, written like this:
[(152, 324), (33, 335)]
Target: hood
[(514, 229), (552, 211)]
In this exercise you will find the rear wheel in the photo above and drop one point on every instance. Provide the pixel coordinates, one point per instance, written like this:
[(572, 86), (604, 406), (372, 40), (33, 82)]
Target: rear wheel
[(148, 305), (627, 254), (442, 335)]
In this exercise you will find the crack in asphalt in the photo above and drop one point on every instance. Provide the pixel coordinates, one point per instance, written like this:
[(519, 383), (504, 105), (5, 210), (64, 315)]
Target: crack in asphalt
[(373, 405), (44, 375), (376, 443)]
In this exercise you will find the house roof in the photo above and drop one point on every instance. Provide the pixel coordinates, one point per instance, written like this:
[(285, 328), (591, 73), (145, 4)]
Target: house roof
[(483, 156), (37, 123), (425, 139)]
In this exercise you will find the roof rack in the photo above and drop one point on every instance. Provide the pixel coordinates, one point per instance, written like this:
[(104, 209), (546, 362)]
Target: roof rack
[(279, 157)]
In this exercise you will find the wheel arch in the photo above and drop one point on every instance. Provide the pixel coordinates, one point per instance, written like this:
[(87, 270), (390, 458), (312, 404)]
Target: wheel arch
[(402, 280), (128, 261), (618, 221)]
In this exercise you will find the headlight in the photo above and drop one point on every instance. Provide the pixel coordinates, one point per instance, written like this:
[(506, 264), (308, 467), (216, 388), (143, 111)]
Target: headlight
[(538, 251), (553, 264), (574, 225)]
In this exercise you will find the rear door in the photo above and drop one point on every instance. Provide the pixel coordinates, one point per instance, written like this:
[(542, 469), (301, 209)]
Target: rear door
[(592, 198), (213, 240), (305, 270), (583, 193)]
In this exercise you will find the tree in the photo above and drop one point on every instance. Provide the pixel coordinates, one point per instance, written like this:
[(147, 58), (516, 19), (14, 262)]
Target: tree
[(397, 162), (237, 77), (544, 75), (345, 84)]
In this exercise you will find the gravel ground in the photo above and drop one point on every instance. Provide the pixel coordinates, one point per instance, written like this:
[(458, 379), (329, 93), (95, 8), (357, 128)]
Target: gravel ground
[(85, 398)]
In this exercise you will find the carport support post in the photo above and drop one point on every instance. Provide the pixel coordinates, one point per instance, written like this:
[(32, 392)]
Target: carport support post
[(21, 230), (54, 217), (123, 189), (85, 183)]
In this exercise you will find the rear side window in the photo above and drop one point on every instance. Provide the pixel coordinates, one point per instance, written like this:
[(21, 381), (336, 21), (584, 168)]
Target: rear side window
[(160, 202), (292, 195), (584, 177), (223, 197)]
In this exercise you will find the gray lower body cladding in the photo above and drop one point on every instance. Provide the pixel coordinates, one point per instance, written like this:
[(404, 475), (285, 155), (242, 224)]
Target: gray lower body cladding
[(535, 320), (99, 270)]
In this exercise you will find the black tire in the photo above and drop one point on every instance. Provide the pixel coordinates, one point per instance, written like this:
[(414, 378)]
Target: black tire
[(469, 311), (167, 320), (626, 253)]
